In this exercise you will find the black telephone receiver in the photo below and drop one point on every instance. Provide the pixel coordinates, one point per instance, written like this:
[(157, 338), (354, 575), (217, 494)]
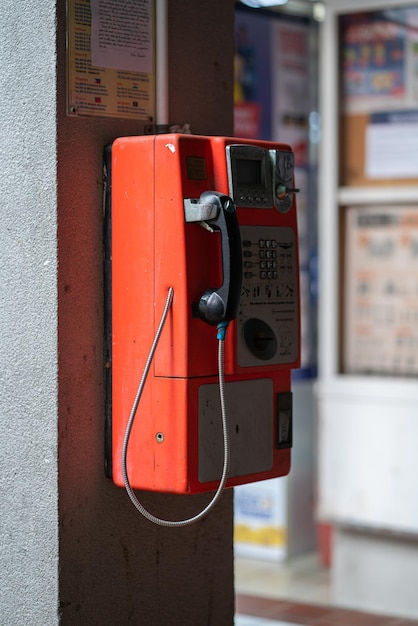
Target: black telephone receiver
[(221, 304)]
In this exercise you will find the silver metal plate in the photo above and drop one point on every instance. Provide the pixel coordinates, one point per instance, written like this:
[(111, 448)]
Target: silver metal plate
[(269, 294), (249, 405)]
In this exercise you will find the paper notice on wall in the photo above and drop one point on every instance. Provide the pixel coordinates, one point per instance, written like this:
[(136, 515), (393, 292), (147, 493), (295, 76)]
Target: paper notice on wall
[(381, 291), (110, 59), (392, 145), (121, 35)]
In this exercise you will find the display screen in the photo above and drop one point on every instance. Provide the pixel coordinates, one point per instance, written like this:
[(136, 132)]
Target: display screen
[(248, 172)]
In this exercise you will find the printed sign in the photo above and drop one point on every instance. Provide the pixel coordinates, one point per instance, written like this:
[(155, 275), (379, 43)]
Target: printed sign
[(381, 291), (111, 58)]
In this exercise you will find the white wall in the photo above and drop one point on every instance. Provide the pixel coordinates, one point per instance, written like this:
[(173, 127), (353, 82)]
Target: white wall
[(375, 572)]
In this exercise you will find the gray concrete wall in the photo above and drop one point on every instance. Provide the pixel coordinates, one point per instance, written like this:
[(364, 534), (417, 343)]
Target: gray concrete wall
[(28, 315), (114, 567)]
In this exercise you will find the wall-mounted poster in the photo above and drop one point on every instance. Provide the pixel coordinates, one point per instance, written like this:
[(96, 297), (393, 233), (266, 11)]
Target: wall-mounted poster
[(252, 66), (291, 87), (110, 50), (273, 101), (272, 78), (374, 53), (379, 76), (381, 291), (379, 53)]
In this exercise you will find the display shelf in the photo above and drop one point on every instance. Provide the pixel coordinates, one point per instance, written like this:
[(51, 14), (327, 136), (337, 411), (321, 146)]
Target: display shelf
[(377, 195), (367, 421)]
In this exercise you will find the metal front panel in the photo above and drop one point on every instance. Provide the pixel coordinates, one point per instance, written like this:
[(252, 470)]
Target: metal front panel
[(250, 413), (267, 322)]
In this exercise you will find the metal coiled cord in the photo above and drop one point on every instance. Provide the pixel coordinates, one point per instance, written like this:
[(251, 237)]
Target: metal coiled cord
[(149, 516)]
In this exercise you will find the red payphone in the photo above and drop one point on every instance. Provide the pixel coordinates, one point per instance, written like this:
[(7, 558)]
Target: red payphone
[(204, 229)]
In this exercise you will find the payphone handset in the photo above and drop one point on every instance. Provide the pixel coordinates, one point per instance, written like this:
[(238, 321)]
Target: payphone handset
[(220, 305), (205, 229)]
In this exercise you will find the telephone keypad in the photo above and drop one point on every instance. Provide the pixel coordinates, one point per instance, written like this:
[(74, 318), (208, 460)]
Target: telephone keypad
[(268, 259), (268, 314)]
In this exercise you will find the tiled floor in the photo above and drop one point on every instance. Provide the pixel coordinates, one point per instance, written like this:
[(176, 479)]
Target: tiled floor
[(299, 592), (249, 620), (302, 579), (265, 612)]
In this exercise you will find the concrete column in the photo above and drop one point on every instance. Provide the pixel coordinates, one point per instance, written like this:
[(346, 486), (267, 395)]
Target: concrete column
[(28, 315), (117, 568), (73, 549)]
